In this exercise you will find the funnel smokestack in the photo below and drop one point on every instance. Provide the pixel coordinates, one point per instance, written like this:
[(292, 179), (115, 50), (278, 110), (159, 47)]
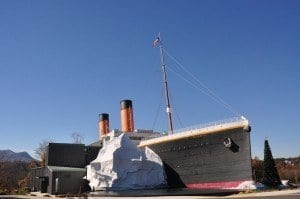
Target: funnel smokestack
[(127, 123), (103, 124)]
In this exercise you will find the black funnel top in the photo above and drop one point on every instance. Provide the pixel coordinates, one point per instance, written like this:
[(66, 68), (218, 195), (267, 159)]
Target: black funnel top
[(103, 116), (126, 104)]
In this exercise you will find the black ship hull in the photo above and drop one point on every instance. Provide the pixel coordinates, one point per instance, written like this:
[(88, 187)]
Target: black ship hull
[(216, 160)]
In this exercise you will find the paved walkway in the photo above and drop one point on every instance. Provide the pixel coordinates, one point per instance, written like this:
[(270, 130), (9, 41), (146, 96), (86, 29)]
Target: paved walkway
[(283, 194)]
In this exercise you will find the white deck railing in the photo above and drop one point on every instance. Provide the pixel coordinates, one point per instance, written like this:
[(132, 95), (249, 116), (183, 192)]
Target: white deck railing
[(212, 124), (197, 130), (202, 127)]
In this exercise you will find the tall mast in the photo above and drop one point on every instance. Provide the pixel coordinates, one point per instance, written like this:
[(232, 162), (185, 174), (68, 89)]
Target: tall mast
[(165, 82)]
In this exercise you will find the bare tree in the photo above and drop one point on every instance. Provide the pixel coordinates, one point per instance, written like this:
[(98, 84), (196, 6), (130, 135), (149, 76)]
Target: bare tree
[(41, 151), (77, 138)]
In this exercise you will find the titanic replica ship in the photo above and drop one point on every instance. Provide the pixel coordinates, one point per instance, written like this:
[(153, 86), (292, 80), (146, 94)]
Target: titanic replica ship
[(213, 156), (216, 155)]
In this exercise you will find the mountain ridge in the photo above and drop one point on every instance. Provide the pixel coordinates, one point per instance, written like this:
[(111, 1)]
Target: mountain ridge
[(11, 156)]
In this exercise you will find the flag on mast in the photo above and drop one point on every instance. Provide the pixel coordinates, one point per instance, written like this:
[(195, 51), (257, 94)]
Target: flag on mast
[(156, 42)]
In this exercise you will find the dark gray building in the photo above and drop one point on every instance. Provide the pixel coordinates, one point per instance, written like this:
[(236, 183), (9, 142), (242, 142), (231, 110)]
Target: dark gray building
[(36, 181), (65, 155), (65, 169)]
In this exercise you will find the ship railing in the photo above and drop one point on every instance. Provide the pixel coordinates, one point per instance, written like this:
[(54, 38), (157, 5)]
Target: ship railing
[(239, 119), (216, 124)]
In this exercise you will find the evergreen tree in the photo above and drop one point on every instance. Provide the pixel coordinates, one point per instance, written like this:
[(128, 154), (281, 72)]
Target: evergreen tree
[(270, 173)]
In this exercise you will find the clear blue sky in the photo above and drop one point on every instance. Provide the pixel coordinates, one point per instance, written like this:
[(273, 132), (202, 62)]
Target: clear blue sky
[(63, 62)]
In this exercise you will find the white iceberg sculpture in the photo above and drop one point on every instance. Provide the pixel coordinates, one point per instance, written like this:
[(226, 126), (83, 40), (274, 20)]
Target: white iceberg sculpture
[(120, 165)]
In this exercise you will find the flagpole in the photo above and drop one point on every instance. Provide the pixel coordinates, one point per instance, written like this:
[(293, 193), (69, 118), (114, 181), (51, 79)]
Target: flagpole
[(165, 82)]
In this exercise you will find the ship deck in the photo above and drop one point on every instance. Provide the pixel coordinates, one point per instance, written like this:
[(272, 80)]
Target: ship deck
[(199, 130)]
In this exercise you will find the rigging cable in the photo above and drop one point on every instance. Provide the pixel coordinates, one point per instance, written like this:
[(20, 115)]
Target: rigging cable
[(204, 88), (158, 109), (191, 83), (175, 111)]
